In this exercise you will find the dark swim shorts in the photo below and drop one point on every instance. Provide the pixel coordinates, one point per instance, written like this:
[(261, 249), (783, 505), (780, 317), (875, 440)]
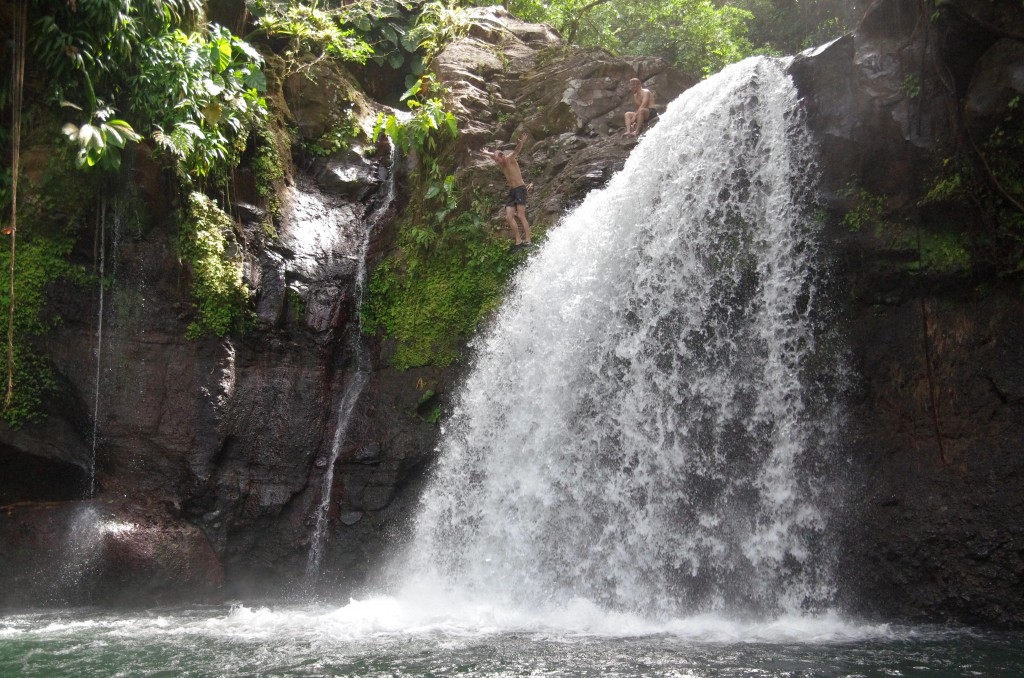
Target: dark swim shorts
[(517, 196), (651, 114)]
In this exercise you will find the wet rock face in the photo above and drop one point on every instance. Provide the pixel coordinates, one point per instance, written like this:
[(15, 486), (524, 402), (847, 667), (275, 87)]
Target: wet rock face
[(103, 553), (936, 421)]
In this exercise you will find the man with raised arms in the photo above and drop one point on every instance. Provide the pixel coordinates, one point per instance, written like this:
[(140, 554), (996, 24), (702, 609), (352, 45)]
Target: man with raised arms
[(515, 206)]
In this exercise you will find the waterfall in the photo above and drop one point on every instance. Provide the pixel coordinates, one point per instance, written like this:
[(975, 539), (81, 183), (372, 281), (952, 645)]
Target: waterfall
[(650, 421), (355, 385)]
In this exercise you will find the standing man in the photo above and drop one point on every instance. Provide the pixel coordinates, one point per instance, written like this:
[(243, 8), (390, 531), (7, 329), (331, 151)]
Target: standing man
[(644, 100), (515, 206)]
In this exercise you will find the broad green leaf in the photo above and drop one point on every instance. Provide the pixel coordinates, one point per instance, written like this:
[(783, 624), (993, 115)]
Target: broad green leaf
[(256, 80), (112, 137), (220, 54), (412, 91)]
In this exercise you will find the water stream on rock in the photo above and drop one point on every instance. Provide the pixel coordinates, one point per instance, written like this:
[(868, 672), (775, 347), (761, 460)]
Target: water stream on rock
[(102, 227), (353, 388), (639, 474)]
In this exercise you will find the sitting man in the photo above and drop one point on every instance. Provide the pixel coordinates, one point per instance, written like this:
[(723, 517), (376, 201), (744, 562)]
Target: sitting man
[(644, 100)]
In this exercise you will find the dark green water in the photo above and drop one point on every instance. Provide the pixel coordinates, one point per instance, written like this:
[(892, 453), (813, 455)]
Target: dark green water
[(382, 638)]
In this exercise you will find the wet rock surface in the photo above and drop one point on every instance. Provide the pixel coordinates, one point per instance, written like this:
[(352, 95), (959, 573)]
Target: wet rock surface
[(103, 553), (936, 470)]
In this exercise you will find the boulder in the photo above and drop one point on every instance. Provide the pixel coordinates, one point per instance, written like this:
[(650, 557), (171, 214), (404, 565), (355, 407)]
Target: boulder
[(103, 553)]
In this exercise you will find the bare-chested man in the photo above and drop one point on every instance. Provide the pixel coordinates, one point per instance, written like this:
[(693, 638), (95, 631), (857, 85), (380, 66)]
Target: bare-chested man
[(515, 206), (644, 100)]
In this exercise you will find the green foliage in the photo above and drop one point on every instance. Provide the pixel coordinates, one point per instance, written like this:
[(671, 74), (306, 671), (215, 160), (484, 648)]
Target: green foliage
[(200, 95), (440, 22), (296, 303), (990, 178), (337, 139), (869, 211), (430, 299), (207, 245), (99, 141), (942, 253), (387, 25), (430, 122), (194, 91), (41, 262), (911, 86), (697, 36), (268, 167), (322, 32), (785, 27)]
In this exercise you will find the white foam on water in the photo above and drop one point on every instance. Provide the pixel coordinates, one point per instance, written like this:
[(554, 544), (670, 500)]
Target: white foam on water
[(387, 619)]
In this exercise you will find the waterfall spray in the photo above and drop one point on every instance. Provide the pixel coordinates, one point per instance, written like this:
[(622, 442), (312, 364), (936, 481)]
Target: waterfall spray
[(644, 421)]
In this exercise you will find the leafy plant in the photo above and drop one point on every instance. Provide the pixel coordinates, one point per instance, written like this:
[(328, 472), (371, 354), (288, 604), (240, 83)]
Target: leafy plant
[(440, 23), (697, 36), (421, 131), (447, 275), (201, 91), (988, 176), (431, 299), (868, 211), (268, 166), (99, 141), (207, 245), (195, 91), (336, 139), (42, 262), (387, 26), (321, 32)]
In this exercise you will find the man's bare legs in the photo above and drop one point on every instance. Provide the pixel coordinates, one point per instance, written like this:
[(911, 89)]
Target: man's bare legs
[(638, 119), (521, 213), (510, 216), (629, 118)]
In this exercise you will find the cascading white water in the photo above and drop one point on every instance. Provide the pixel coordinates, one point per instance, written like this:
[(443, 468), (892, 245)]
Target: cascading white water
[(648, 423), (353, 388)]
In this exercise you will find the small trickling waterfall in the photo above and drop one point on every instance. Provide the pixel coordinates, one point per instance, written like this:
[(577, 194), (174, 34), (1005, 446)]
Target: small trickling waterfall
[(102, 272), (353, 388), (649, 423)]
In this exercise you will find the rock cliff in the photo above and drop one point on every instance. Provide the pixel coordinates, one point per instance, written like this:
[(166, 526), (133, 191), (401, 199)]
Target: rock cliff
[(932, 529)]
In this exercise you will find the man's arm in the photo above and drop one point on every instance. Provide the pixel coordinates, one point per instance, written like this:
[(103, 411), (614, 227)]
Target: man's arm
[(519, 146)]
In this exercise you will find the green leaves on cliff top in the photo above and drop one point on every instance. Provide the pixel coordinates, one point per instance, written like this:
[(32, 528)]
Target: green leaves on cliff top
[(319, 31), (193, 90)]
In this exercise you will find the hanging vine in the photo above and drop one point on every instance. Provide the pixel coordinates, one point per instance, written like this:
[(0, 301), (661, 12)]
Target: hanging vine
[(17, 86)]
